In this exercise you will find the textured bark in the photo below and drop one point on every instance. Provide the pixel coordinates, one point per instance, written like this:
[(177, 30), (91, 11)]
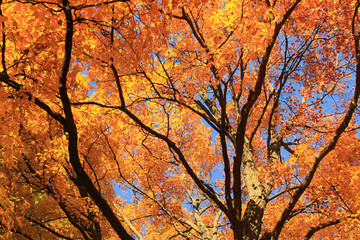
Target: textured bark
[(252, 220)]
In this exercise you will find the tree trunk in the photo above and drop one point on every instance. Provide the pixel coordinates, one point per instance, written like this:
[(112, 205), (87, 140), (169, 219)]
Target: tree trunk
[(252, 220), (250, 226)]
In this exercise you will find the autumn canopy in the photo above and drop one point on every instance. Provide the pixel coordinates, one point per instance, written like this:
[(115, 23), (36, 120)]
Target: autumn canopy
[(194, 119)]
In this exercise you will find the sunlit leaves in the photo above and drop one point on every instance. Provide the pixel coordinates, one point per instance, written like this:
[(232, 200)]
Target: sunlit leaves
[(160, 87)]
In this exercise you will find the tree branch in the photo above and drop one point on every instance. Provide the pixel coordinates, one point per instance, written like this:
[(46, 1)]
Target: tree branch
[(332, 144), (321, 226), (70, 127), (57, 116)]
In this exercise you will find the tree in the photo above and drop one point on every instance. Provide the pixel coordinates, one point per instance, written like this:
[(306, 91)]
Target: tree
[(179, 119)]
